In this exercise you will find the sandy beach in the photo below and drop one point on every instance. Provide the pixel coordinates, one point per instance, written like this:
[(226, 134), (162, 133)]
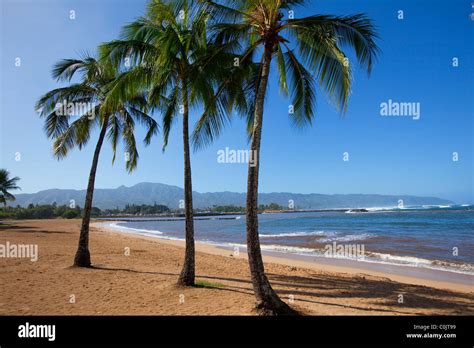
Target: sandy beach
[(136, 275)]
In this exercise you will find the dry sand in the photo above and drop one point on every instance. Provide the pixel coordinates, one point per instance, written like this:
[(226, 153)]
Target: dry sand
[(144, 281)]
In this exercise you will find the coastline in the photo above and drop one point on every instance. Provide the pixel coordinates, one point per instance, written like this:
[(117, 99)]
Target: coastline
[(143, 281), (404, 274), (418, 253)]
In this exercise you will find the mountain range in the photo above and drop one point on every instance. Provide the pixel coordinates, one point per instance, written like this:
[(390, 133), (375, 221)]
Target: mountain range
[(150, 193)]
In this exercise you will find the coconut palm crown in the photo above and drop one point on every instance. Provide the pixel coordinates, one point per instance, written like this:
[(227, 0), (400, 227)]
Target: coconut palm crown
[(71, 113), (7, 184)]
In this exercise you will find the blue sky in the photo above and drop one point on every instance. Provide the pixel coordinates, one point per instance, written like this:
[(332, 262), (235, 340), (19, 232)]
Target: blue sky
[(387, 155)]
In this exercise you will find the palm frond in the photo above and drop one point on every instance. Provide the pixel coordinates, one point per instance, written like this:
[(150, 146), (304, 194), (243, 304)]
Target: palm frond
[(77, 134), (128, 136), (282, 70), (232, 86), (320, 52), (75, 93), (303, 87), (8, 184), (147, 121), (113, 134), (127, 86), (356, 32), (66, 68), (169, 107)]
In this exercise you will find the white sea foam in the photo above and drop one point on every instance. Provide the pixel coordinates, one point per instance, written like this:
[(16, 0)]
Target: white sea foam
[(412, 261), (406, 207), (381, 208), (416, 261), (378, 258), (436, 206), (138, 230), (387, 209), (387, 259), (293, 234), (346, 238), (375, 209)]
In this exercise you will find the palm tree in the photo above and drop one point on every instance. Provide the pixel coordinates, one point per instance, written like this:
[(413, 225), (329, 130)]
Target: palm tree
[(307, 51), (166, 54), (7, 184), (86, 99)]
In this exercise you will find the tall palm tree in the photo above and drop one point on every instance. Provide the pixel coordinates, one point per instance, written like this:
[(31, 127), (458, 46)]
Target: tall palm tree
[(306, 51), (7, 184), (166, 53), (87, 97)]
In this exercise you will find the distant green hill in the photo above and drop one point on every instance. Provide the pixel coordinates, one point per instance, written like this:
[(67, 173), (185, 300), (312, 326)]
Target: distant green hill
[(150, 193)]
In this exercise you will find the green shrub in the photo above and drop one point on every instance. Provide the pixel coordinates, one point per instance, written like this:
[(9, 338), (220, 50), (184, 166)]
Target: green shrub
[(70, 214)]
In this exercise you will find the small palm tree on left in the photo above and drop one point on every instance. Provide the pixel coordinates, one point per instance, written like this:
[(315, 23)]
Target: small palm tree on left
[(85, 100), (7, 184)]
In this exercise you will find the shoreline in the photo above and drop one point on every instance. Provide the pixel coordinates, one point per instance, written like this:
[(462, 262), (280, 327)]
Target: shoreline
[(406, 274), (137, 275)]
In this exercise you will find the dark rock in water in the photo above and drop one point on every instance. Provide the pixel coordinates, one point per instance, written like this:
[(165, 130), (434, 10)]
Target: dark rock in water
[(358, 210)]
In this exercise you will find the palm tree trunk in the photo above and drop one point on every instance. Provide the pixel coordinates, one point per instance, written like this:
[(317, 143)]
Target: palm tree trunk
[(83, 257), (268, 302), (187, 275)]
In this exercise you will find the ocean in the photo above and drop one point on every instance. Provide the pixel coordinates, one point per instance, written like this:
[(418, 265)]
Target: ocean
[(438, 238)]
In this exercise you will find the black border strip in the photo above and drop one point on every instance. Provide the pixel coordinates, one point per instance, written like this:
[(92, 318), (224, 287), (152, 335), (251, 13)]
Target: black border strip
[(208, 330)]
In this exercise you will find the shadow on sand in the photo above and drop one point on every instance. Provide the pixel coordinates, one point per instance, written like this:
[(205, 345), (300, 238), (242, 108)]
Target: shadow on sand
[(317, 288)]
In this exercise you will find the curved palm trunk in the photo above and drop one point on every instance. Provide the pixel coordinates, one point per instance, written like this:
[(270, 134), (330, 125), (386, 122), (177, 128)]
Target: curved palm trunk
[(187, 275), (83, 258), (268, 302)]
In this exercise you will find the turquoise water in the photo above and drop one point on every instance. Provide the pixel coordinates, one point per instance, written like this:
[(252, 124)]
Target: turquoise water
[(438, 238)]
